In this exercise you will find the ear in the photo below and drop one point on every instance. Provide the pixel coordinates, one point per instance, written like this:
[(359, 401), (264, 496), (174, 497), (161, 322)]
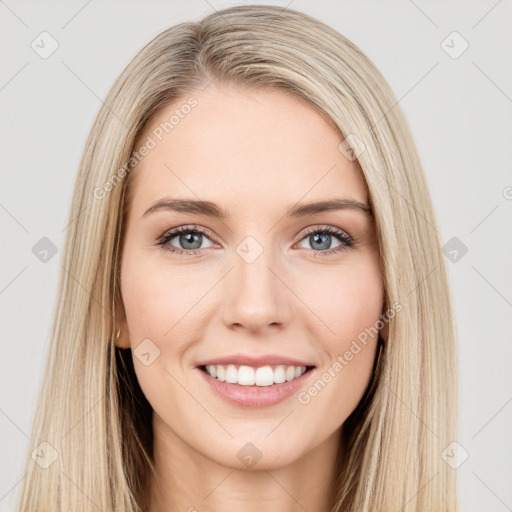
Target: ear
[(124, 338)]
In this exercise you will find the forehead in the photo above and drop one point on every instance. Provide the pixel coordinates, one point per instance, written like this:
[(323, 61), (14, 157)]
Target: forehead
[(237, 145)]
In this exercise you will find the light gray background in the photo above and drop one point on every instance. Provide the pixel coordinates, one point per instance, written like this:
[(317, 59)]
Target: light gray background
[(459, 111)]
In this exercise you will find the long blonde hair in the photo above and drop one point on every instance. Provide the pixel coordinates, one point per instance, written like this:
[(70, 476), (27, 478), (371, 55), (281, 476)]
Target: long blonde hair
[(93, 417)]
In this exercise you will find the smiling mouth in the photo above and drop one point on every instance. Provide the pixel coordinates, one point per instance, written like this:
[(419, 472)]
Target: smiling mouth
[(242, 375)]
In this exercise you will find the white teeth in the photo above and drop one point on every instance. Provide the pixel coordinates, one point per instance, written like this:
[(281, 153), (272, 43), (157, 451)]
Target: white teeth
[(279, 375), (264, 376), (249, 376), (231, 374), (290, 373), (246, 376), (221, 373)]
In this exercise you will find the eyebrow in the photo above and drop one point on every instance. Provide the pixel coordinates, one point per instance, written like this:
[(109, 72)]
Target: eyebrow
[(211, 209)]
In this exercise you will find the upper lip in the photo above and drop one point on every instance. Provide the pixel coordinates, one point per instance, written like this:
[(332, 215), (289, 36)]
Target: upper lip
[(255, 361)]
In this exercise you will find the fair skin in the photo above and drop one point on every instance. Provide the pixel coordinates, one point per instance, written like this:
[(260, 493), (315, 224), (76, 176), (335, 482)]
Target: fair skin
[(254, 153)]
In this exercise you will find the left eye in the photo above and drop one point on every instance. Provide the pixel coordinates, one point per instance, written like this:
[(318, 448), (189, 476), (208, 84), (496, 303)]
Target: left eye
[(320, 238)]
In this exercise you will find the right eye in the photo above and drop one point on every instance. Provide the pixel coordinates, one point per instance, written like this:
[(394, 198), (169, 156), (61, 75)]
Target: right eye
[(189, 237)]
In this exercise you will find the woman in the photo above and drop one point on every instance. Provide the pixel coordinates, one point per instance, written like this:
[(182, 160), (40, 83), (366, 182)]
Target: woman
[(254, 308)]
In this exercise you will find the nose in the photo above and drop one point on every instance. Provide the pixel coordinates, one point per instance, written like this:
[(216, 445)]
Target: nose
[(255, 296)]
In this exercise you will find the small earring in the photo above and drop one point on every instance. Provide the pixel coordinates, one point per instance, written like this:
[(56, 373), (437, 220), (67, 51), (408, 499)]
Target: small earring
[(118, 333), (380, 348)]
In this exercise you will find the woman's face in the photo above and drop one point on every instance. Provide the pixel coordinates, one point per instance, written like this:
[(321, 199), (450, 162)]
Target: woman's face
[(257, 282)]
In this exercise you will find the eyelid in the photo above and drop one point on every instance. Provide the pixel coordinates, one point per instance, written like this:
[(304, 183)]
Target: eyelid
[(186, 228), (325, 228), (305, 232)]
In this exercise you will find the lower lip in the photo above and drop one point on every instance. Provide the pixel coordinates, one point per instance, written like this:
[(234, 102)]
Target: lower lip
[(256, 396)]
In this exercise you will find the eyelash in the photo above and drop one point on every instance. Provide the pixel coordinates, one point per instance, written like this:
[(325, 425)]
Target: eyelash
[(347, 242)]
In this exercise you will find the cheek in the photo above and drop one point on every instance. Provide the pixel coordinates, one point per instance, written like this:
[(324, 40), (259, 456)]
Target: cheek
[(156, 304), (349, 304), (156, 298), (347, 300)]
